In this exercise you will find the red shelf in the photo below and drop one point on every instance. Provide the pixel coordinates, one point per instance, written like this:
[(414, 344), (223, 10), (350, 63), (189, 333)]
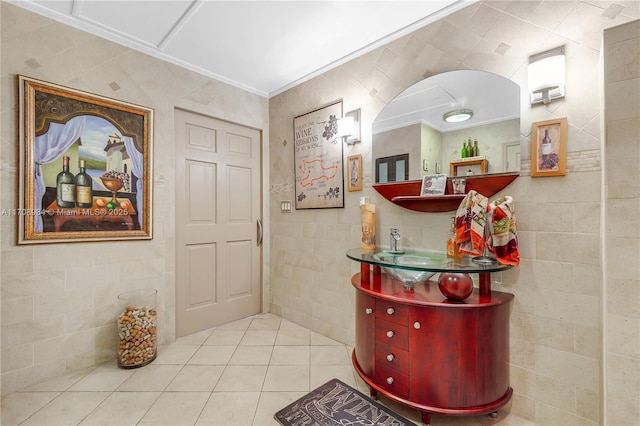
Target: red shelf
[(431, 203), (405, 194)]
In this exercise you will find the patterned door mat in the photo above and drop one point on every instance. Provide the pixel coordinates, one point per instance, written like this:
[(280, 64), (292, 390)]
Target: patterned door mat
[(336, 404)]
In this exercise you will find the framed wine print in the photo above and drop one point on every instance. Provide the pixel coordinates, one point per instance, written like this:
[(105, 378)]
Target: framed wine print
[(433, 185), (85, 166), (549, 148), (354, 173), (319, 179)]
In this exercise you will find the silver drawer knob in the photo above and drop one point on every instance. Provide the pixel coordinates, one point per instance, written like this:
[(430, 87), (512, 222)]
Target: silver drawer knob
[(390, 357), (390, 311), (390, 380), (390, 334), (416, 325), (368, 311)]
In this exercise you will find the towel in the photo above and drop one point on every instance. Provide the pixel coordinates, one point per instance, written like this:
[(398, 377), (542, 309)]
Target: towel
[(470, 223), (502, 241)]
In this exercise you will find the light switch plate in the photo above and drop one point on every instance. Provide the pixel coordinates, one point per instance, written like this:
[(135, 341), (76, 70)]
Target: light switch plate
[(285, 206)]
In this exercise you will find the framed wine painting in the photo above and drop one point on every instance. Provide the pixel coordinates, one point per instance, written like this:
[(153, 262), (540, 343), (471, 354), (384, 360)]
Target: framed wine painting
[(85, 166), (354, 173), (549, 148), (319, 177)]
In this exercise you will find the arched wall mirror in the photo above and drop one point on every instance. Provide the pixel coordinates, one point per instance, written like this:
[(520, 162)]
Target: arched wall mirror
[(411, 138)]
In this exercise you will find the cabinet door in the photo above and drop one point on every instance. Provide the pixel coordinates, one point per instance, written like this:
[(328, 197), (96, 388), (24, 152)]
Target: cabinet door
[(442, 347), (493, 353), (365, 331)]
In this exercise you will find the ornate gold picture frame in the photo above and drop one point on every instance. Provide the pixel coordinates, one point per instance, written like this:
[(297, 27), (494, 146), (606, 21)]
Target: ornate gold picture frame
[(85, 166)]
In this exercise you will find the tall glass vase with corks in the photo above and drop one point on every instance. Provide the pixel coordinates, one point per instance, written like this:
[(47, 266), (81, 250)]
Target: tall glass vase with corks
[(137, 328)]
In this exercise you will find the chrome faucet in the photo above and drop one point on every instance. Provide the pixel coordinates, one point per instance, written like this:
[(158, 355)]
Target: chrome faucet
[(395, 237)]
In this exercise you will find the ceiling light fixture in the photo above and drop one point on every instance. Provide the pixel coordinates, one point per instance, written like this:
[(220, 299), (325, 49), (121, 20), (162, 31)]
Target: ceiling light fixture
[(457, 116)]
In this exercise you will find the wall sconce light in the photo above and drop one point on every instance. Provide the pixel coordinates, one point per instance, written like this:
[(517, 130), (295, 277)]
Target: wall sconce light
[(458, 116), (349, 127), (546, 75)]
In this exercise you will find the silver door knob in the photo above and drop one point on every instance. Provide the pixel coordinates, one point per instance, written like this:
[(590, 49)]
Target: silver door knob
[(390, 334), (390, 380), (368, 311), (390, 357), (416, 325), (390, 311)]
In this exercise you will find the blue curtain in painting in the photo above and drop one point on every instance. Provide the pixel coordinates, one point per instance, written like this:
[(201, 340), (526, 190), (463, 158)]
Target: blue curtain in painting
[(137, 168), (48, 148)]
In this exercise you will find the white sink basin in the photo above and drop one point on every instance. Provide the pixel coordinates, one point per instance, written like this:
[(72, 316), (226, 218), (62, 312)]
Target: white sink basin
[(409, 277)]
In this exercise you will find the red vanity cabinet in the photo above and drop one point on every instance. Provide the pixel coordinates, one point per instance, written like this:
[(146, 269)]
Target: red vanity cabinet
[(365, 321), (416, 347)]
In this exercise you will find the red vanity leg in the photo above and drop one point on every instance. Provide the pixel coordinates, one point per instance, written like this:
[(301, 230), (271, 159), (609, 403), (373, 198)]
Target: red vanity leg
[(365, 273), (484, 283), (426, 418)]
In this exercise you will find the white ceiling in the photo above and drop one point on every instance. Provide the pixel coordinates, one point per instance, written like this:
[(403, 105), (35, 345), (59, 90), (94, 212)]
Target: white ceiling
[(262, 46)]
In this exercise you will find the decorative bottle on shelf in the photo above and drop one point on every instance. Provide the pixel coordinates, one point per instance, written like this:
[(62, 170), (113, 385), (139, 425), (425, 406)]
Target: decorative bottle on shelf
[(476, 150), (65, 186), (546, 145), (469, 148), (452, 247), (84, 183), (463, 151), (368, 212)]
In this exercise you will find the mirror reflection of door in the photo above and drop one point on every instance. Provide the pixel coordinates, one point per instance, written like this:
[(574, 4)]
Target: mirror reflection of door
[(512, 157), (392, 169)]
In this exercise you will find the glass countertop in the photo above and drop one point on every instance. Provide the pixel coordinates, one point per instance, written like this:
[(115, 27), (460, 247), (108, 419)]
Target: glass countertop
[(422, 260)]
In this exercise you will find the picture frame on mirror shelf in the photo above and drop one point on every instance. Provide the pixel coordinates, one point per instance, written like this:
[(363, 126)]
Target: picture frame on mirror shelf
[(433, 185)]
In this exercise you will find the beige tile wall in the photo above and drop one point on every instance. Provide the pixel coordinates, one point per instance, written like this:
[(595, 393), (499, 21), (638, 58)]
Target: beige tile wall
[(58, 300), (54, 318), (556, 323), (622, 232)]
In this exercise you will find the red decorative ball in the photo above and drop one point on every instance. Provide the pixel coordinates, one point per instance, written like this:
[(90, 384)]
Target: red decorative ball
[(455, 286)]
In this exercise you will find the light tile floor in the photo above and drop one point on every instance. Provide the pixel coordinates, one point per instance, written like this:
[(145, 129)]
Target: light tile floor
[(240, 373)]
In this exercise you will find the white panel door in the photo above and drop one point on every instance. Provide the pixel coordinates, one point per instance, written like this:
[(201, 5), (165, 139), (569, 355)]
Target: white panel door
[(512, 157), (218, 206)]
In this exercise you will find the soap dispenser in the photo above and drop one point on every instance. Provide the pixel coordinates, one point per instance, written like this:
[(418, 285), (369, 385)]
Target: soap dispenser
[(452, 247)]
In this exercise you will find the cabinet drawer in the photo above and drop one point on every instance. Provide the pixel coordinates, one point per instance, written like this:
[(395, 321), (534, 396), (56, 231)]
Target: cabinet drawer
[(392, 334), (393, 312), (392, 357), (392, 380)]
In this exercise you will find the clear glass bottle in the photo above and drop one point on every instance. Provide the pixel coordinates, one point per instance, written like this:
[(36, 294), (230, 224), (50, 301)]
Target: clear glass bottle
[(476, 150), (137, 328)]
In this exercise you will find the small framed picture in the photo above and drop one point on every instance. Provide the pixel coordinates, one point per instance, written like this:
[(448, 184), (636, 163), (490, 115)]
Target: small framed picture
[(549, 148), (354, 173), (433, 185)]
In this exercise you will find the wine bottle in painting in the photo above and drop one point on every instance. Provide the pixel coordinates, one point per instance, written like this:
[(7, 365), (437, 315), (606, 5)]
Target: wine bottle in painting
[(65, 186), (545, 149), (84, 185)]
